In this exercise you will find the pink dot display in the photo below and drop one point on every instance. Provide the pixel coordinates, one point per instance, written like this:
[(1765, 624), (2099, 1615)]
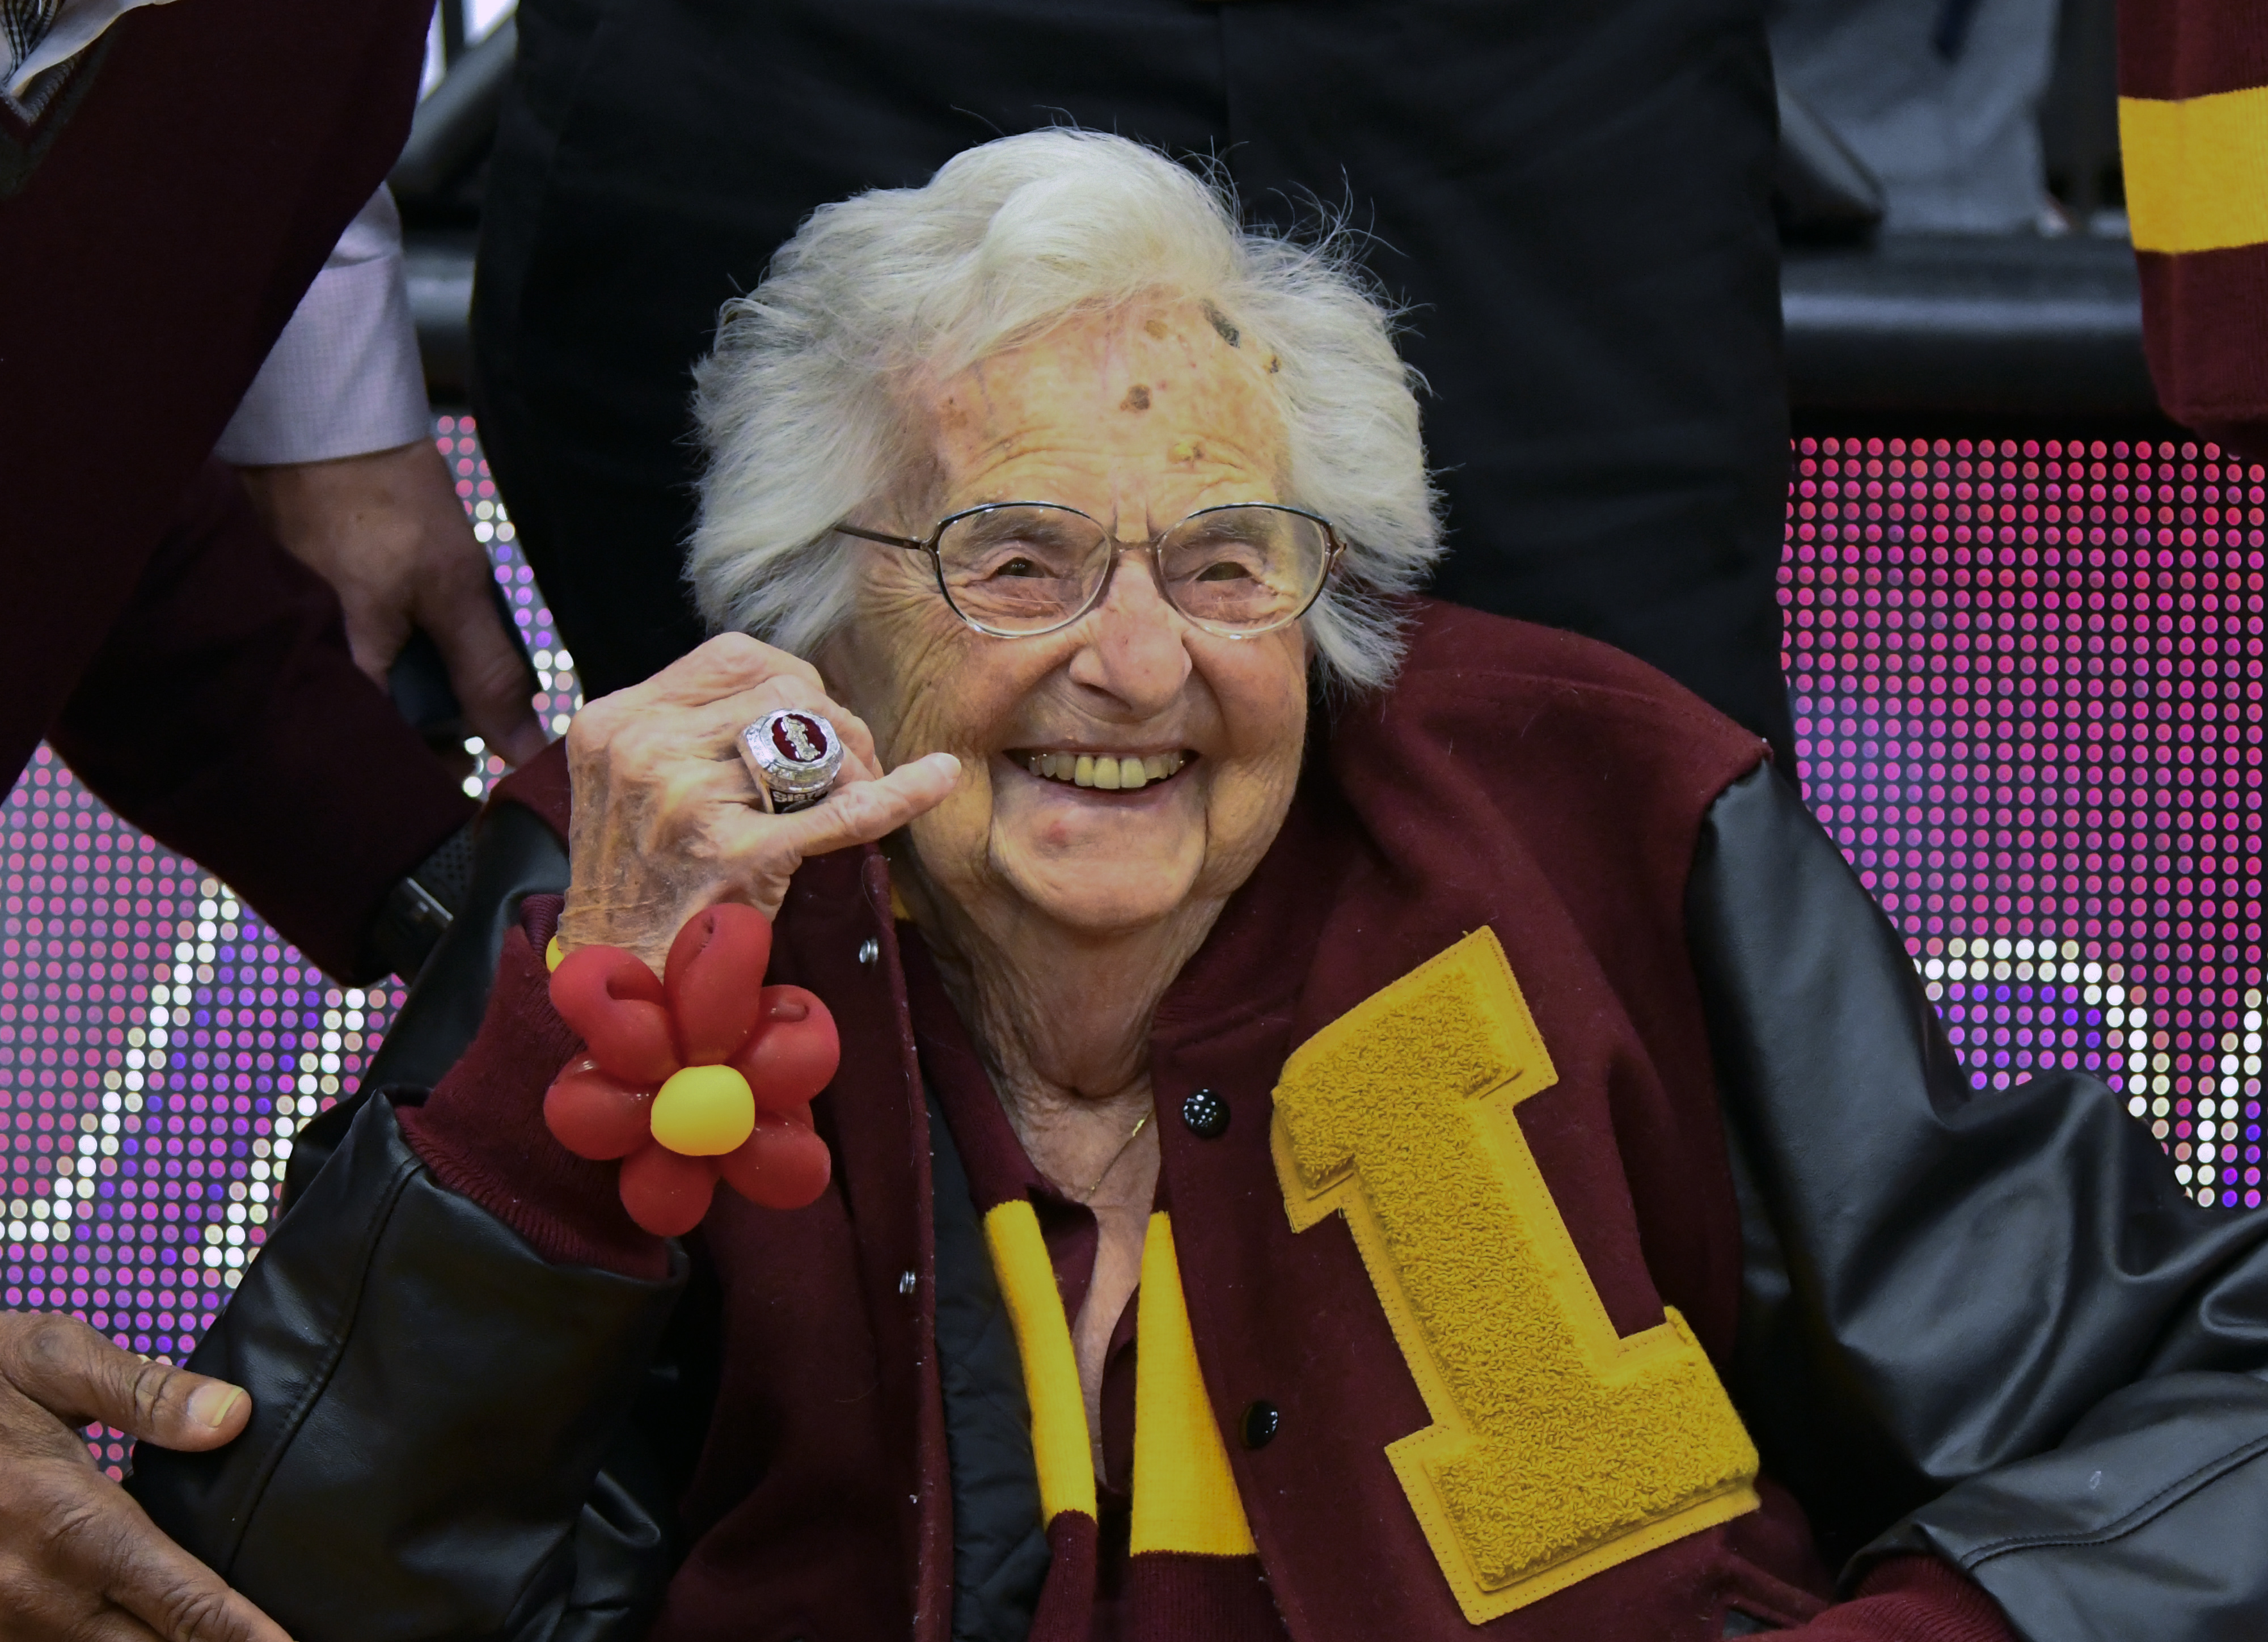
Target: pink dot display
[(2026, 681), (160, 1046)]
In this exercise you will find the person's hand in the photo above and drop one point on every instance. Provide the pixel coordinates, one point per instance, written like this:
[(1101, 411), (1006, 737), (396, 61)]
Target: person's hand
[(388, 534), (666, 818), (79, 1560)]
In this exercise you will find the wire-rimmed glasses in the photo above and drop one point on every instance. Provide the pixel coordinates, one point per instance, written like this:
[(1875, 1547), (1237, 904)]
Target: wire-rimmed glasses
[(1017, 570)]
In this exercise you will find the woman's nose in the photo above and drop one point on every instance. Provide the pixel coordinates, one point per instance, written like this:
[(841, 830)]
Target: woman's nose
[(1135, 649)]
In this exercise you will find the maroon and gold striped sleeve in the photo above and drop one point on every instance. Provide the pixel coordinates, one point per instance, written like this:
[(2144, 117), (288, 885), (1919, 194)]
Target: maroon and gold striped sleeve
[(2193, 134)]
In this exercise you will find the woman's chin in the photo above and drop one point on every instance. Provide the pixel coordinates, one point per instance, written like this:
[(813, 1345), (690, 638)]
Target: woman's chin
[(1099, 891)]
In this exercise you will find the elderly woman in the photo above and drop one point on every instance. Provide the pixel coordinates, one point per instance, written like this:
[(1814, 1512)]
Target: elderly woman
[(1355, 1119)]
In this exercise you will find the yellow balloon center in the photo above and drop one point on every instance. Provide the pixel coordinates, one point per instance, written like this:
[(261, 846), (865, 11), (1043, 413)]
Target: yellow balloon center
[(704, 1111)]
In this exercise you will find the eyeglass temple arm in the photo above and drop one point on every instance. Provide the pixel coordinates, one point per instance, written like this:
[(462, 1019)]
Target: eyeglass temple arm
[(887, 541)]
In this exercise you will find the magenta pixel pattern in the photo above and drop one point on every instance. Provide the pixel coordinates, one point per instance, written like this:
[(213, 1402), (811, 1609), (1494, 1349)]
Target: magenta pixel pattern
[(159, 1049), (161, 1046), (2027, 684), (2028, 688)]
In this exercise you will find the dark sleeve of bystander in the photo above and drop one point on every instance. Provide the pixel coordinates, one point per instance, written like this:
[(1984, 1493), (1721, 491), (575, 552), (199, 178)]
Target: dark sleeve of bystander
[(224, 716)]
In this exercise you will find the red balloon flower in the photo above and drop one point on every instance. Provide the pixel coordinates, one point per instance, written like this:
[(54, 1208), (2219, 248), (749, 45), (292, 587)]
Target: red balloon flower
[(706, 1072)]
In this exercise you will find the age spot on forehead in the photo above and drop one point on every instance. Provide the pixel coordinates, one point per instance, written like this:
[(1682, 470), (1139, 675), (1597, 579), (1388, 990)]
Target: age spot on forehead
[(1138, 397), (1229, 334), (1186, 450), (1156, 326)]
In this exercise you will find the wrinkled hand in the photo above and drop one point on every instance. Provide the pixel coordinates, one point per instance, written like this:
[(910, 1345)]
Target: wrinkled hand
[(388, 534), (79, 1561), (666, 818)]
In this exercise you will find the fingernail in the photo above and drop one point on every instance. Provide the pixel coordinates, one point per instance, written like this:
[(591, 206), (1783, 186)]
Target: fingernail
[(211, 1404)]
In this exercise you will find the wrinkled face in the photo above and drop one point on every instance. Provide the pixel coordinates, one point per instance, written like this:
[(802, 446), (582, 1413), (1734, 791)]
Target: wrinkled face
[(1136, 418)]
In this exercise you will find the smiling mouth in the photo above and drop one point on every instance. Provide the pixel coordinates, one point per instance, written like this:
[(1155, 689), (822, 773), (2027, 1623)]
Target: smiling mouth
[(1104, 771)]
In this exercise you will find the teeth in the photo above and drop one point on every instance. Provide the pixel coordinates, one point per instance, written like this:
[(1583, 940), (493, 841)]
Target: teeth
[(1104, 771)]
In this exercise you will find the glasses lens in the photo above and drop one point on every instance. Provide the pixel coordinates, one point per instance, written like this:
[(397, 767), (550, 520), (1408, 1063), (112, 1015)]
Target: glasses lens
[(1239, 568), (1024, 568)]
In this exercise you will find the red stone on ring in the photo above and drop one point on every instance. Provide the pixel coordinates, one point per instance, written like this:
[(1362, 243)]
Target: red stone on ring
[(800, 736)]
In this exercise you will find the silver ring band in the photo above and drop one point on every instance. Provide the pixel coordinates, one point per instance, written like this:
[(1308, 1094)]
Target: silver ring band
[(794, 756)]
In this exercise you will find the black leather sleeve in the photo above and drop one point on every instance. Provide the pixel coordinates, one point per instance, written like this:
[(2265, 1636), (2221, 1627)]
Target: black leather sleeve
[(1986, 1325), (515, 855), (389, 1317)]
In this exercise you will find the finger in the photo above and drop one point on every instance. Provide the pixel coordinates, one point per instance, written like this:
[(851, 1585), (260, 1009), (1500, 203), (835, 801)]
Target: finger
[(445, 591), (485, 667), (723, 723), (375, 633), (340, 520), (712, 730), (149, 1578), (37, 1604), (669, 770), (111, 1624), (698, 711), (720, 799), (486, 670), (81, 1557), (81, 1378), (724, 667), (871, 810)]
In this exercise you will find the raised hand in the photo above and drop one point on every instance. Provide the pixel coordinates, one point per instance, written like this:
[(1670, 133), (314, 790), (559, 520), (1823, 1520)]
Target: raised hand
[(666, 818)]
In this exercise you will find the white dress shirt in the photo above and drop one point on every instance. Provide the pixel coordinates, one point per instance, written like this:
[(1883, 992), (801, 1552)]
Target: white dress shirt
[(345, 379)]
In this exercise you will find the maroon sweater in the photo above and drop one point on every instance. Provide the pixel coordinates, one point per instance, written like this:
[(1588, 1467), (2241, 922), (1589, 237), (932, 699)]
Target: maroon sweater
[(1531, 782)]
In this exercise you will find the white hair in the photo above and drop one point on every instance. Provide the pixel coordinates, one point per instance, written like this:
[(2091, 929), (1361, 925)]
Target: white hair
[(803, 407)]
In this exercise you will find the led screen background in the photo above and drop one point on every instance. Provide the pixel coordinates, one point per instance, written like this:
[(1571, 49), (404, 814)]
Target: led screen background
[(2027, 679), (2028, 682), (160, 1045)]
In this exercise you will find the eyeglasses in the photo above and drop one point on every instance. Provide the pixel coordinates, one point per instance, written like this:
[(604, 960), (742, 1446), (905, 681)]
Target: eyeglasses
[(1017, 570)]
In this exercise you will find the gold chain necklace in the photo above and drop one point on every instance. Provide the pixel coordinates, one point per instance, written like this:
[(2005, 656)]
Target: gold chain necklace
[(1082, 1199)]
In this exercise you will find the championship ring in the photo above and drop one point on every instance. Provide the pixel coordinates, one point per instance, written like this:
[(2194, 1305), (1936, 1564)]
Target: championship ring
[(794, 755)]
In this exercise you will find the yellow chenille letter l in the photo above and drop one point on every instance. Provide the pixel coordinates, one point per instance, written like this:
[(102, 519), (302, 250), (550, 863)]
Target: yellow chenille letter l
[(1557, 1448)]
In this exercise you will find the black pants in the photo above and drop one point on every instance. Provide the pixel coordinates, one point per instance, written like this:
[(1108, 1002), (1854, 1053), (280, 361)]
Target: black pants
[(1572, 197)]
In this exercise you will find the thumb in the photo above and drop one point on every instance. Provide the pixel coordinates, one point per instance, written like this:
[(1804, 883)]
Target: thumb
[(81, 1378), (486, 669), (375, 634), (863, 812), (455, 603)]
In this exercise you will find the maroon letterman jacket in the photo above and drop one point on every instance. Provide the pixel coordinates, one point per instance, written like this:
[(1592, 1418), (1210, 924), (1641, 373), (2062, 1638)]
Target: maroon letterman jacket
[(469, 1367)]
